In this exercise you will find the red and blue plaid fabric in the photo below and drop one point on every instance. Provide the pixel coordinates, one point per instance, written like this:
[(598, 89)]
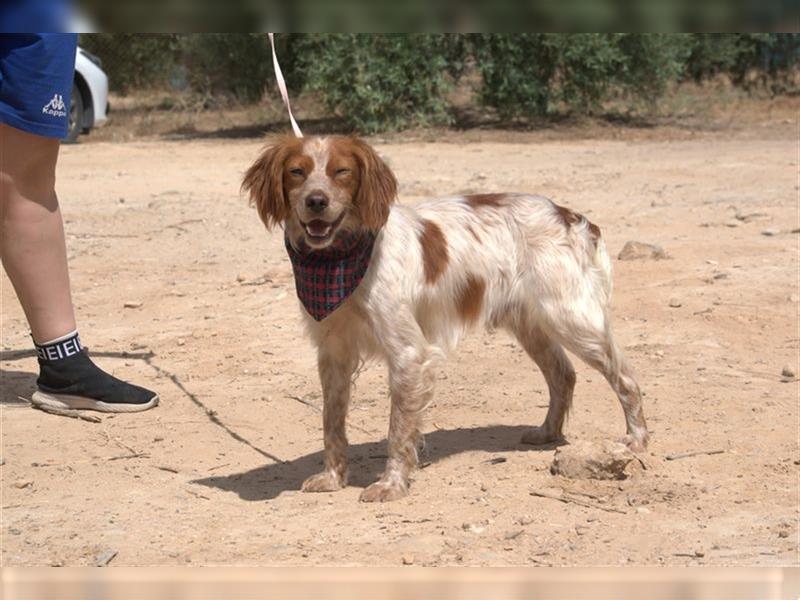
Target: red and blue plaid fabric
[(326, 278)]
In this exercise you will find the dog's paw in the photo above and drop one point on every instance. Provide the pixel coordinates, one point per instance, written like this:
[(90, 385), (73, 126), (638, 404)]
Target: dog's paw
[(538, 436), (633, 443), (327, 481), (383, 491)]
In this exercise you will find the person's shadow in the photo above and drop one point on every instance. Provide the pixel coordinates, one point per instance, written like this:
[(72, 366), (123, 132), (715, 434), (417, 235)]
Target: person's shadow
[(366, 461)]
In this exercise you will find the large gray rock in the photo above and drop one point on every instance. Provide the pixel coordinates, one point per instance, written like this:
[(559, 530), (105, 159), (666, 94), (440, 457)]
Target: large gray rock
[(640, 250), (591, 460)]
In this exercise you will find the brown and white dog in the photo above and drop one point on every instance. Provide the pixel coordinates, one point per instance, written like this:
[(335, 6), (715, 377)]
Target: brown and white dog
[(515, 261)]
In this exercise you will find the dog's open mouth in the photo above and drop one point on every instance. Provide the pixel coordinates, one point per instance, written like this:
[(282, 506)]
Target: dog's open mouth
[(319, 230)]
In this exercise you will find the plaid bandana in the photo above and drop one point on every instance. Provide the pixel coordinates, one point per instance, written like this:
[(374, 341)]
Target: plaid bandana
[(326, 278)]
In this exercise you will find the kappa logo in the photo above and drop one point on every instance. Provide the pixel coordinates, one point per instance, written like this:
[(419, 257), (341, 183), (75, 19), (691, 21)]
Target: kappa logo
[(56, 107)]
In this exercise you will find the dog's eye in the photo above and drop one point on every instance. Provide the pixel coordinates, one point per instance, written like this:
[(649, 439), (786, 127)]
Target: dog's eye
[(296, 171), (342, 171)]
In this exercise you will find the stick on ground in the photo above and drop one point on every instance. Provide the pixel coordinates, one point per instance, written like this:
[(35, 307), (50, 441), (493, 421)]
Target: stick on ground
[(66, 412), (578, 501), (694, 453)]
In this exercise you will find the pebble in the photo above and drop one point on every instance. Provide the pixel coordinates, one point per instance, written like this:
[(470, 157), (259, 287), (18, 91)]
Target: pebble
[(731, 223), (473, 528), (133, 304), (769, 232), (2, 461), (524, 520), (181, 342), (639, 250), (642, 510), (794, 298), (783, 533), (512, 535), (408, 559), (674, 303), (104, 558), (699, 553), (787, 371), (581, 529), (23, 483)]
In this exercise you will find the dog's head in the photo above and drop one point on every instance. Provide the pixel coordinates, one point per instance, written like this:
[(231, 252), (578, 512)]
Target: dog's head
[(320, 186)]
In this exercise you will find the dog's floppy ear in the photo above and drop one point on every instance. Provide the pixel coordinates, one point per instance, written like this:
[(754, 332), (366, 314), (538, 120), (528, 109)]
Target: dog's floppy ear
[(377, 188), (264, 182)]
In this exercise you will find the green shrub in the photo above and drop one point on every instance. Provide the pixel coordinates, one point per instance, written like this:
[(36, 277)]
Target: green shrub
[(237, 65), (379, 82), (736, 54), (530, 74), (134, 60)]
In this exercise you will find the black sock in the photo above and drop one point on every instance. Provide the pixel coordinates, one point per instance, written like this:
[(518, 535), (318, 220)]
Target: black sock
[(66, 369)]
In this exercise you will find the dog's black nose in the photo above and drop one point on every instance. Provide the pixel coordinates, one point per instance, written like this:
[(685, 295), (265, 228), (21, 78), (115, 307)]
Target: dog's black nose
[(316, 203)]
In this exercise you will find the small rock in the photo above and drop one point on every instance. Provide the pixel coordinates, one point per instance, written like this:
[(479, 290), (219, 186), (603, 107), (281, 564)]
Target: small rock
[(512, 535), (2, 461), (524, 520), (783, 533), (699, 553), (133, 304), (675, 303), (639, 250), (181, 342), (794, 298), (581, 529), (588, 460), (472, 528), (14, 531), (770, 232), (731, 224), (23, 483), (408, 559), (787, 371), (104, 558), (642, 510)]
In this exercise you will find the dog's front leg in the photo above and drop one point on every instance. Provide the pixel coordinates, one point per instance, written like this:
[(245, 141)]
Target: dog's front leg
[(411, 380), (336, 363)]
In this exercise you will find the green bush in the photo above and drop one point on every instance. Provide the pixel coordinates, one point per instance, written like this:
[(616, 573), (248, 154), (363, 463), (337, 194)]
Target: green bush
[(134, 60), (390, 81), (530, 74), (228, 64), (379, 82), (736, 54)]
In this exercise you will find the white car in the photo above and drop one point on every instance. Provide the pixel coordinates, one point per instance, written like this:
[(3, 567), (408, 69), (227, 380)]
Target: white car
[(89, 103)]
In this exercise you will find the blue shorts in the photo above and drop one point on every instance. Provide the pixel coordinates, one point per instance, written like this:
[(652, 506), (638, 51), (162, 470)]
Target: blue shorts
[(36, 75)]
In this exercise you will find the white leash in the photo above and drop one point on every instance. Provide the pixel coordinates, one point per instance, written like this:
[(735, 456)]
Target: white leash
[(282, 86)]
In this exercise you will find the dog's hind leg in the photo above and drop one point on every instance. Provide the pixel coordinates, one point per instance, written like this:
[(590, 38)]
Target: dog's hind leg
[(588, 335), (337, 362), (560, 377)]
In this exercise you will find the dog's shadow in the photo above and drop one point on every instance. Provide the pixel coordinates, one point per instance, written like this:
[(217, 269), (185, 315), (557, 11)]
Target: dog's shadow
[(367, 460)]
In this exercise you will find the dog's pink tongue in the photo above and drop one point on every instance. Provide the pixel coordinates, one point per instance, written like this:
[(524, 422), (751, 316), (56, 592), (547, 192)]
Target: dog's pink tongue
[(318, 227)]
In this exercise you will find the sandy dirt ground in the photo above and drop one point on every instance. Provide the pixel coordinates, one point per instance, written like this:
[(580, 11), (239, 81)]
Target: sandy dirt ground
[(178, 287)]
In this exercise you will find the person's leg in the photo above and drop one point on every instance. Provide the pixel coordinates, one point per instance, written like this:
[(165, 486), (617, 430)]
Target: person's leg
[(34, 255), (32, 244)]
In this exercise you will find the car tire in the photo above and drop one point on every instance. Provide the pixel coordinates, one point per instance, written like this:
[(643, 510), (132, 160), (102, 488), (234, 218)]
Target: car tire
[(75, 116)]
